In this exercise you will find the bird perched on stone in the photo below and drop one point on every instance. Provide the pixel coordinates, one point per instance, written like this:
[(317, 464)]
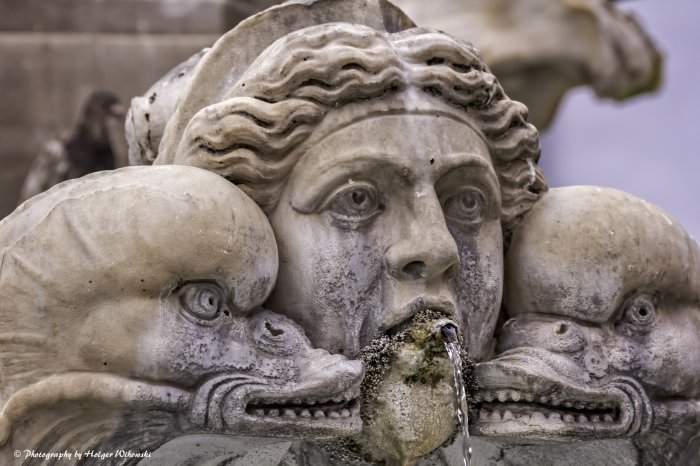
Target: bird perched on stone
[(87, 149)]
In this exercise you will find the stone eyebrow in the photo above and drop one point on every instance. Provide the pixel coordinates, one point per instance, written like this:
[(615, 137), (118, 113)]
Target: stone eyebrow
[(356, 165)]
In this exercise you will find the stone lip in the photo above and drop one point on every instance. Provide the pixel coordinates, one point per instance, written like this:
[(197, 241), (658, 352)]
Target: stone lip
[(522, 395)]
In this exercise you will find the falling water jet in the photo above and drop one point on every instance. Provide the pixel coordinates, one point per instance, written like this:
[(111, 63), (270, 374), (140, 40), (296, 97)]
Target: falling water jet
[(449, 334)]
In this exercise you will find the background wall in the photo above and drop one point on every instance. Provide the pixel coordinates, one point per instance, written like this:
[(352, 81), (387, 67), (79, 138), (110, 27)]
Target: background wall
[(54, 53), (650, 145)]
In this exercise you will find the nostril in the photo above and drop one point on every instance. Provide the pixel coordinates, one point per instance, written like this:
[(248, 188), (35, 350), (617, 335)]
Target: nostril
[(415, 270), (275, 332), (561, 328)]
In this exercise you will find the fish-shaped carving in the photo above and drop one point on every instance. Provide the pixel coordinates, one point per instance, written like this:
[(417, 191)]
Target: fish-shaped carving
[(130, 308), (603, 290)]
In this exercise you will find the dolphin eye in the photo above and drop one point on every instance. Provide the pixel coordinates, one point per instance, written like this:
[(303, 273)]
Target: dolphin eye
[(203, 301), (639, 311)]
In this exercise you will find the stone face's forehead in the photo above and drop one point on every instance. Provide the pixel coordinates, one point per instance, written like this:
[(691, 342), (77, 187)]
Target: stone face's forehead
[(432, 137), (582, 251)]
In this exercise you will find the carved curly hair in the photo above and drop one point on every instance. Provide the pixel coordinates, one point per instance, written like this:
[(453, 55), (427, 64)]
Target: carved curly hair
[(250, 136)]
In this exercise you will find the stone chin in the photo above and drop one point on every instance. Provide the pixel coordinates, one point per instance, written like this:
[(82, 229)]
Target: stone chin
[(523, 396)]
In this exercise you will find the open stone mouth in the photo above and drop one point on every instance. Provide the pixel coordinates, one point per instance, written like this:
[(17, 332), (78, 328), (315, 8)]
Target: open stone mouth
[(530, 408), (340, 407)]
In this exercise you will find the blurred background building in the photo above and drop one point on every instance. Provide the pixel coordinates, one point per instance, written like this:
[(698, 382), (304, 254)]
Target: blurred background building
[(650, 145), (54, 53)]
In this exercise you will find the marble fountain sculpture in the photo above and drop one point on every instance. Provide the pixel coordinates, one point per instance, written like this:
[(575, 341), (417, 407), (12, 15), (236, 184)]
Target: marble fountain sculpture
[(147, 334), (331, 188)]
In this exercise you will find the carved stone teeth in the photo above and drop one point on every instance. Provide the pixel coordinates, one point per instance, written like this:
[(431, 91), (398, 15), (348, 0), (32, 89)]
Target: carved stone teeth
[(555, 402), (258, 412), (568, 418), (483, 415), (310, 402), (305, 413), (338, 400), (537, 416), (508, 415), (529, 397), (319, 414), (478, 397), (334, 414), (489, 397), (295, 401), (515, 396), (502, 395), (543, 399), (272, 412), (568, 404), (495, 416), (608, 418), (595, 418), (581, 418), (289, 413), (344, 413), (592, 405), (580, 405), (554, 416)]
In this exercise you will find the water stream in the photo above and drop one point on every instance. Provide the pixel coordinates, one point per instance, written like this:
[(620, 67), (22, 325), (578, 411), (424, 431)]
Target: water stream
[(449, 332)]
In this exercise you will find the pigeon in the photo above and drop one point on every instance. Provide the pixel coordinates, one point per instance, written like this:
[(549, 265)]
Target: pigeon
[(86, 150)]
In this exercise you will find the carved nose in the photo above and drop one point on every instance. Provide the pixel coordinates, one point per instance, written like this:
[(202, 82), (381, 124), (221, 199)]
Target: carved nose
[(426, 251), (557, 335)]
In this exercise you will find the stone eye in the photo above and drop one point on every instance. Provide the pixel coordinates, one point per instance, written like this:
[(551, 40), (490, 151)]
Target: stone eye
[(204, 301), (356, 205), (639, 311), (465, 207)]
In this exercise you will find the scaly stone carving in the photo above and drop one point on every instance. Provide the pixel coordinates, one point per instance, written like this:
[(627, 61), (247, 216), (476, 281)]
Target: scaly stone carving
[(604, 340), (131, 315)]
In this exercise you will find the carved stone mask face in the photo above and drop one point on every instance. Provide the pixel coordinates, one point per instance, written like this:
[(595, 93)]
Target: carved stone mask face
[(375, 220)]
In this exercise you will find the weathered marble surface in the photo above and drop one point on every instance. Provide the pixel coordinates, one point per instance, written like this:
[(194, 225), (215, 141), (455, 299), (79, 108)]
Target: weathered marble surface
[(388, 160), (380, 171), (131, 315), (603, 291), (372, 226)]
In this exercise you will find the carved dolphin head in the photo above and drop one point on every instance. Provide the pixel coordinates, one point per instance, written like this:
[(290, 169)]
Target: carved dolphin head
[(135, 295), (604, 293)]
